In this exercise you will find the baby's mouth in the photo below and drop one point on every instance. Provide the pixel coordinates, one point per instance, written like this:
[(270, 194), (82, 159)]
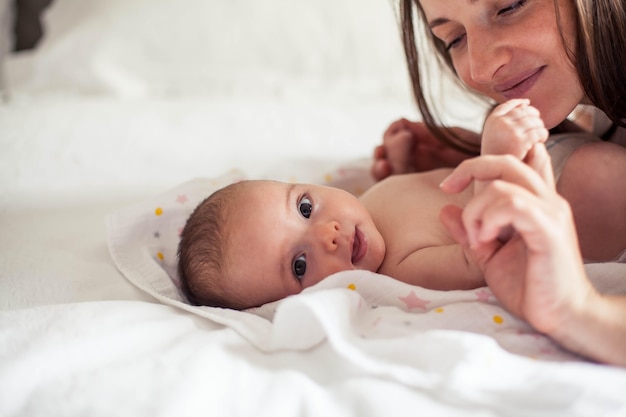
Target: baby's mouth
[(359, 246)]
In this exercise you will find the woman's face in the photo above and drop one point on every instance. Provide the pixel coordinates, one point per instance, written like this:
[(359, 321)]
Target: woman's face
[(508, 49)]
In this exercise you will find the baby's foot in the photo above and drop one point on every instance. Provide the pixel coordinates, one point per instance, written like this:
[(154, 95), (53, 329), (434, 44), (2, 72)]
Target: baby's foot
[(396, 154)]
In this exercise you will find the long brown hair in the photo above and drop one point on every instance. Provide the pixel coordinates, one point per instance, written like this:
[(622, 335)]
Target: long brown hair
[(430, 119), (601, 55), (600, 60)]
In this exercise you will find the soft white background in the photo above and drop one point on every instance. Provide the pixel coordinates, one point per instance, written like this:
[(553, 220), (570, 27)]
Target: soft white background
[(128, 96)]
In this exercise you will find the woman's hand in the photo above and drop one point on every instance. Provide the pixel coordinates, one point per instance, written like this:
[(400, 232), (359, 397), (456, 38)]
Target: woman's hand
[(538, 274), (410, 147)]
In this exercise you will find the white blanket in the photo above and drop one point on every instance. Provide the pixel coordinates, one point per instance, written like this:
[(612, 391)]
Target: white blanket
[(132, 358), (143, 240)]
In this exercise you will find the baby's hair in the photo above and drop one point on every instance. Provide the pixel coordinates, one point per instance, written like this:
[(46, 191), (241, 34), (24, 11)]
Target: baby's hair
[(202, 268)]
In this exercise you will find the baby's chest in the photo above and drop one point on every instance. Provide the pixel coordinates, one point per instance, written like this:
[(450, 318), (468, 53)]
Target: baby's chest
[(408, 230)]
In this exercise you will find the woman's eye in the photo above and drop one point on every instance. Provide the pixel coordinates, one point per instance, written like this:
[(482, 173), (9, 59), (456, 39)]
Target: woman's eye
[(299, 266), (454, 43), (305, 207), (517, 5)]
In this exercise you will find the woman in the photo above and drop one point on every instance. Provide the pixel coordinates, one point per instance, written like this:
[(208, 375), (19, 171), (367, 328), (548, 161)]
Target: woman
[(559, 54)]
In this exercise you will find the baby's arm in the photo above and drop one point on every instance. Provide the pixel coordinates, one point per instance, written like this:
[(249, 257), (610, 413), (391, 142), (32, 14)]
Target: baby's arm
[(444, 268), (512, 128)]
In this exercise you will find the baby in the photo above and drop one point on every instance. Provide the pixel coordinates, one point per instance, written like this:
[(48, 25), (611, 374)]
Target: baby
[(255, 242)]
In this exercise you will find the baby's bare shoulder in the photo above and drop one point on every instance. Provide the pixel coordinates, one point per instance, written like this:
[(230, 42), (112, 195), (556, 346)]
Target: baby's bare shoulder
[(419, 181)]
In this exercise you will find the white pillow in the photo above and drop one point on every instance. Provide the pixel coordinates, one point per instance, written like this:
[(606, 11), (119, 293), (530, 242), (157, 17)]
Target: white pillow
[(145, 48)]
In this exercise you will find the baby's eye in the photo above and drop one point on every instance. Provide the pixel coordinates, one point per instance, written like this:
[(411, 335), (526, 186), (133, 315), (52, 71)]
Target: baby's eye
[(305, 207), (299, 266)]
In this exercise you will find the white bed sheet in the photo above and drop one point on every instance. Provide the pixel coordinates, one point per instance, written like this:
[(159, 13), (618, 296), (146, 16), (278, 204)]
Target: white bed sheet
[(78, 338)]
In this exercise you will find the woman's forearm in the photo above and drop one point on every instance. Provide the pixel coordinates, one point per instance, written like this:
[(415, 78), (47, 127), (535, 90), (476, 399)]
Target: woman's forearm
[(596, 329)]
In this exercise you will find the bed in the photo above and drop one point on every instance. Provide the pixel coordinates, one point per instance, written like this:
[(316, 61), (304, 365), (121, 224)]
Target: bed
[(122, 116)]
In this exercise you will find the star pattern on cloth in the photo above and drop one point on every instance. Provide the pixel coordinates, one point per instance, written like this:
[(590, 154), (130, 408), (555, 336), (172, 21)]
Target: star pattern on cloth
[(181, 199), (413, 301), (483, 295)]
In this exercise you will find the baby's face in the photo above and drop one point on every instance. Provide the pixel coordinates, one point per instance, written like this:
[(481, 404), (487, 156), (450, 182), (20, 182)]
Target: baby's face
[(287, 237)]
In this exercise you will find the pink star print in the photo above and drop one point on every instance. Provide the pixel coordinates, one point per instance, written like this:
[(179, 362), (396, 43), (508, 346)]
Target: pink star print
[(413, 301), (482, 295), (181, 199)]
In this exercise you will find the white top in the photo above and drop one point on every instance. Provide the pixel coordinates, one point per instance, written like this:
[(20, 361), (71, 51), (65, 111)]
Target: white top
[(593, 119)]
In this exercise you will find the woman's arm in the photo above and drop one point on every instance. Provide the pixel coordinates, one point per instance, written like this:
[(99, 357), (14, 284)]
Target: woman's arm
[(538, 274), (596, 328)]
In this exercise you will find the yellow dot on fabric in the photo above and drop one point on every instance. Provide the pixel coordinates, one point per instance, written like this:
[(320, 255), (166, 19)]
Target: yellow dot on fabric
[(158, 211), (352, 287), (439, 310), (160, 255), (328, 178), (498, 319)]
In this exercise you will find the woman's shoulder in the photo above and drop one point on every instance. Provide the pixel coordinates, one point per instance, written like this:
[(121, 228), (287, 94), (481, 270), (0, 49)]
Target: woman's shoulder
[(594, 120)]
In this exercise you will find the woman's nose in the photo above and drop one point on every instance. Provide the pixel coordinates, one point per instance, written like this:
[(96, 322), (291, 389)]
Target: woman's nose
[(328, 234), (486, 56)]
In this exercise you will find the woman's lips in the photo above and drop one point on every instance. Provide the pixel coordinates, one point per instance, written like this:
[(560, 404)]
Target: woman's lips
[(520, 85), (359, 246)]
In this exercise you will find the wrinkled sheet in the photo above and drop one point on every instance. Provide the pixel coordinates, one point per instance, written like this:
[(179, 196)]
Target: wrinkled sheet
[(107, 358)]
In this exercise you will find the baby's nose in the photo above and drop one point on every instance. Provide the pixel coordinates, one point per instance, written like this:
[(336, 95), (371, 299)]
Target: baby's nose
[(328, 233)]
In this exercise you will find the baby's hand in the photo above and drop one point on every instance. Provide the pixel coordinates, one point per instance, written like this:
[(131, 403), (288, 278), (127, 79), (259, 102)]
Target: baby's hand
[(513, 127)]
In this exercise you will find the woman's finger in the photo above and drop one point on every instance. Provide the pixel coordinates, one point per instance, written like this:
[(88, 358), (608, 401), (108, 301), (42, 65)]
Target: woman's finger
[(452, 219), (512, 207), (539, 160), (491, 168), (538, 219)]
